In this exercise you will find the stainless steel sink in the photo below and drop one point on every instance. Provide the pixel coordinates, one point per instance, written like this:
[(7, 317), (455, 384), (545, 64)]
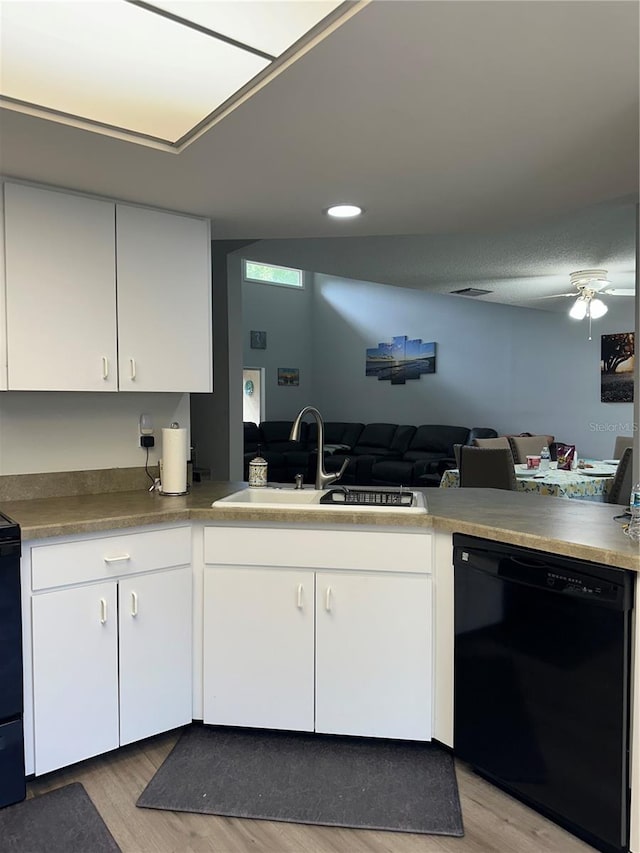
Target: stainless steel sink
[(355, 498)]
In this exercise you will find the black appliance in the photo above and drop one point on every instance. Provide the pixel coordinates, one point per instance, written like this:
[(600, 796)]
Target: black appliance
[(12, 781), (542, 671)]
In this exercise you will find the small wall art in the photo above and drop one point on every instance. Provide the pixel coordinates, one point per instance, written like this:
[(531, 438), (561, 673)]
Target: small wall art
[(617, 362), (288, 376), (401, 359), (258, 340)]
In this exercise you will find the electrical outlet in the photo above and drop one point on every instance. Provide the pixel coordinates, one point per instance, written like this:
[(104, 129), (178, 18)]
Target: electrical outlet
[(147, 441)]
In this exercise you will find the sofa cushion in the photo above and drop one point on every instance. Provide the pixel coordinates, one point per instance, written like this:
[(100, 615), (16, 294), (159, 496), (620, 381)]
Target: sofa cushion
[(335, 433), (434, 439), (376, 440), (276, 435), (252, 436), (480, 432)]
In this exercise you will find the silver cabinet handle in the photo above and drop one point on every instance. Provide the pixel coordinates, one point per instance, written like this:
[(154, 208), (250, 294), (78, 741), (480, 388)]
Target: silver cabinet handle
[(105, 367), (134, 604), (300, 591), (103, 611), (132, 368), (327, 599)]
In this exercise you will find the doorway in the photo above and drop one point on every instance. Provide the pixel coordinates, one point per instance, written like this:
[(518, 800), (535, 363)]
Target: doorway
[(253, 394)]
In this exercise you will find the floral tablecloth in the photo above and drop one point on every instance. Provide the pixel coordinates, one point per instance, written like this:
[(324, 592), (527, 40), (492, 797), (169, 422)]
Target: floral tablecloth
[(564, 484)]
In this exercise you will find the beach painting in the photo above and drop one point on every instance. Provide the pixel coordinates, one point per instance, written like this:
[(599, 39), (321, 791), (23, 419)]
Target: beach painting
[(400, 359)]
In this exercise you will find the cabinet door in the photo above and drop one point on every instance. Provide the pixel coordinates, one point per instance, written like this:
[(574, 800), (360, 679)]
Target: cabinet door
[(155, 653), (258, 648), (373, 655), (61, 291), (164, 301), (75, 674)]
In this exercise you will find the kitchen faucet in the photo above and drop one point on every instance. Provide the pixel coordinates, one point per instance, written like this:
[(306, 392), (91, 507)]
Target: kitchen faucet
[(322, 478)]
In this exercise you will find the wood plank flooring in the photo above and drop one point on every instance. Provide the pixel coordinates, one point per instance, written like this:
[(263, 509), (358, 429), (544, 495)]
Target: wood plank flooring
[(493, 821)]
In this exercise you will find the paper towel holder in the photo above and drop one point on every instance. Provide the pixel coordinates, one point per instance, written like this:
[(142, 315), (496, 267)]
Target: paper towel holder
[(174, 425)]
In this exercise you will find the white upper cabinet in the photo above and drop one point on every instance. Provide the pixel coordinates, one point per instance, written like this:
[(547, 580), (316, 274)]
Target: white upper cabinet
[(164, 301), (102, 296), (60, 291)]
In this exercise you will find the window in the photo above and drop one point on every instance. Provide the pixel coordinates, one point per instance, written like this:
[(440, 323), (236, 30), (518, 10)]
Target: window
[(272, 274)]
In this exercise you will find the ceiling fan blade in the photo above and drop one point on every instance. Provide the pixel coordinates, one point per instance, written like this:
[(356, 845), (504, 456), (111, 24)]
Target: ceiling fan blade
[(575, 294), (618, 291)]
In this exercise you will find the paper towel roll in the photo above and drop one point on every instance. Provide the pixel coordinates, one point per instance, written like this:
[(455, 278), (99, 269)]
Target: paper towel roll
[(173, 479)]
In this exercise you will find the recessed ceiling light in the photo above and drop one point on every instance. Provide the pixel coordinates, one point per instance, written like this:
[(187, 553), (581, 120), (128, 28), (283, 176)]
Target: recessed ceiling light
[(344, 211)]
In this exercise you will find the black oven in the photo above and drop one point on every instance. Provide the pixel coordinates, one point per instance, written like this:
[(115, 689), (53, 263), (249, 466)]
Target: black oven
[(12, 781)]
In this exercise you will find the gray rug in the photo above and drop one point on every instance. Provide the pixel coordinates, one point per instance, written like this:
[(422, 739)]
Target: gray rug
[(60, 821), (316, 779)]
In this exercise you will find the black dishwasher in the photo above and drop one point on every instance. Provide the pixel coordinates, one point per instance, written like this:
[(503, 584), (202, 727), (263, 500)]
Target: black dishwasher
[(12, 782), (542, 671)]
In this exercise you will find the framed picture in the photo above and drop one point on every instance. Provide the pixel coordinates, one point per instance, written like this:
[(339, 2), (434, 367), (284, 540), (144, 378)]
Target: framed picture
[(617, 361), (288, 376), (258, 340)]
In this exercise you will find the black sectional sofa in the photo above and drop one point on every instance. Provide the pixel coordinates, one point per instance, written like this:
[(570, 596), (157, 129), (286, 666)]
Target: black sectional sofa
[(380, 454)]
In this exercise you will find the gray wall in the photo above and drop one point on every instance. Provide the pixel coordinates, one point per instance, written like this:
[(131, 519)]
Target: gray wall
[(215, 423), (510, 368), (285, 314)]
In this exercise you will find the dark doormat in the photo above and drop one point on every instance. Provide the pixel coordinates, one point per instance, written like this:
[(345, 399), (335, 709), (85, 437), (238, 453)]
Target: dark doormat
[(60, 821), (307, 778)]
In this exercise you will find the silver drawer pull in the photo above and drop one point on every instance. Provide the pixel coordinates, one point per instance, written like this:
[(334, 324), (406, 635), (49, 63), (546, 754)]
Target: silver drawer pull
[(103, 611), (121, 559), (134, 604)]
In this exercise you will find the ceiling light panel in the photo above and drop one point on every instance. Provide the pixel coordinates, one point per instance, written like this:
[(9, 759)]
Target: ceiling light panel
[(114, 63), (268, 25)]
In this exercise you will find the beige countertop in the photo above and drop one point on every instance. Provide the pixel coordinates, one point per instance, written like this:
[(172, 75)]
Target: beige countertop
[(575, 528)]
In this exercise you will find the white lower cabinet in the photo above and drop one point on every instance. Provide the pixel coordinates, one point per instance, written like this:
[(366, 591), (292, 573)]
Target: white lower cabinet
[(346, 651), (258, 640), (373, 655), (75, 663), (155, 653), (111, 658)]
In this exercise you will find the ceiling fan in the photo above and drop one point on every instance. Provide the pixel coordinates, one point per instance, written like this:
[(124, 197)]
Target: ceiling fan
[(589, 286)]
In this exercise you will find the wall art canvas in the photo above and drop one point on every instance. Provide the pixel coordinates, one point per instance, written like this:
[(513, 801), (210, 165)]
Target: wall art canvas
[(617, 362), (288, 376), (400, 359)]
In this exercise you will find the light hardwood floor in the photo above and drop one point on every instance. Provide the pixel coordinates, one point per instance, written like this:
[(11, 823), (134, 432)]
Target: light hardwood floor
[(493, 821)]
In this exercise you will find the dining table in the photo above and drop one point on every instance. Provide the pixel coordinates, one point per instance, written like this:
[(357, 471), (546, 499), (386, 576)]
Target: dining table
[(588, 483)]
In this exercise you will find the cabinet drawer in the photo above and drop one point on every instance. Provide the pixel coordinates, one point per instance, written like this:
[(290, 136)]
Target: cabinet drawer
[(109, 557), (328, 549)]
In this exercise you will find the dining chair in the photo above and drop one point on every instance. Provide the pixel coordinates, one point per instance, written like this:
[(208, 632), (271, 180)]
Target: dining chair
[(622, 442), (528, 445), (487, 467), (620, 491), (500, 441)]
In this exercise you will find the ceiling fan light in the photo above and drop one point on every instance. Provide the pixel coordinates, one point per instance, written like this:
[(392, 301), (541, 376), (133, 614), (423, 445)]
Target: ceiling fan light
[(578, 310), (597, 309)]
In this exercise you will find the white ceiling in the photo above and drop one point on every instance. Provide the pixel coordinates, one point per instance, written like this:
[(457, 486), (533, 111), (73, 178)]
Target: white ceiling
[(440, 118)]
